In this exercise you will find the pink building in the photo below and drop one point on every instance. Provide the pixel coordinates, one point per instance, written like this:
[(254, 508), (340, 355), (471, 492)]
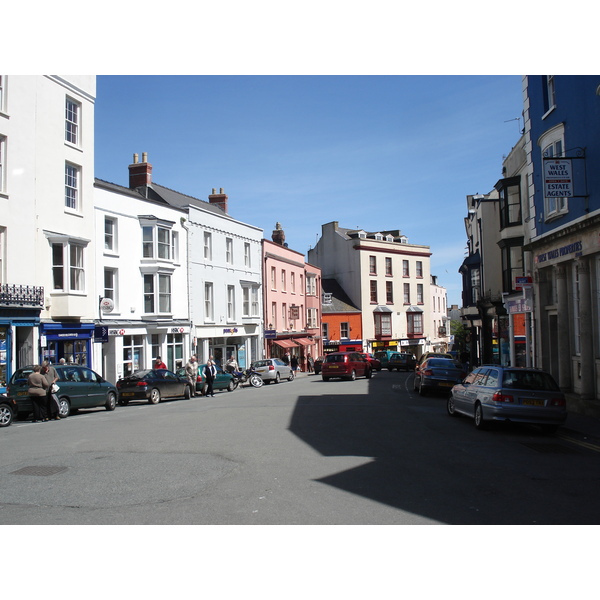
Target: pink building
[(292, 302)]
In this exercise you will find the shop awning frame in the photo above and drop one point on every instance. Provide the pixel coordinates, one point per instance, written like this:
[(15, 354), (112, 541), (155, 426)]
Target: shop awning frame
[(285, 343), (303, 341)]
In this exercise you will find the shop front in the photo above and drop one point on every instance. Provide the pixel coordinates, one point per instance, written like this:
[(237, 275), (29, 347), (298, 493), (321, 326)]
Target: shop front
[(71, 341)]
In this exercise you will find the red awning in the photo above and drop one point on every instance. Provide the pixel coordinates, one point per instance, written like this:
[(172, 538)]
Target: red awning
[(303, 341), (285, 343)]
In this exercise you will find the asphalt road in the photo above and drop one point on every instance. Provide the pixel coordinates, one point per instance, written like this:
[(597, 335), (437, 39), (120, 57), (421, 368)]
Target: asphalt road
[(307, 452)]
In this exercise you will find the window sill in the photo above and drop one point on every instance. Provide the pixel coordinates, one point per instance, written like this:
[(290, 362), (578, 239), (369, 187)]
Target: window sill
[(73, 146), (73, 212), (549, 111)]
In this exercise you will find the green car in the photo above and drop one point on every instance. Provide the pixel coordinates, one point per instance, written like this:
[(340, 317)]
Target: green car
[(79, 387), (223, 381)]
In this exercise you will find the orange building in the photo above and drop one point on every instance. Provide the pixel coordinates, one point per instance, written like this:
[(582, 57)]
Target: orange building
[(341, 320)]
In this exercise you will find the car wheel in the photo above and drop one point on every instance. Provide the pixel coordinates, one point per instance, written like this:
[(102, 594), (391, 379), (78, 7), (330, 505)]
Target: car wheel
[(368, 373), (111, 401), (325, 378), (187, 393), (154, 396), (277, 377), (352, 375), (451, 407), (123, 402), (6, 416), (390, 369), (421, 388), (415, 386), (479, 422), (231, 386), (291, 377), (64, 408)]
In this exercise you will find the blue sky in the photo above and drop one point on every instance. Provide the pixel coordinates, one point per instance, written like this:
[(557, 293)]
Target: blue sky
[(375, 152)]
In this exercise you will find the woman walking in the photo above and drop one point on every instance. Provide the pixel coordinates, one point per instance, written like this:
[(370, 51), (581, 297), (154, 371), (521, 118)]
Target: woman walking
[(38, 388)]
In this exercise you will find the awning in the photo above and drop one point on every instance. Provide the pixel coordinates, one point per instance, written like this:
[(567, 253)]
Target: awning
[(303, 341), (414, 309), (285, 343)]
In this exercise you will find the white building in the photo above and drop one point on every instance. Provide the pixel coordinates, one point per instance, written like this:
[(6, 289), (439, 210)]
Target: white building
[(214, 270), (440, 326), (47, 268), (142, 277), (386, 277)]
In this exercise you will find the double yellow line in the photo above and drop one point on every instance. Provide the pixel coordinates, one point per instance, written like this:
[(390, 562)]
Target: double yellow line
[(571, 440)]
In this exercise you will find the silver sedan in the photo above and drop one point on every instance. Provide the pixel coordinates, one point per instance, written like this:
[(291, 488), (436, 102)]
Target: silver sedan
[(273, 369)]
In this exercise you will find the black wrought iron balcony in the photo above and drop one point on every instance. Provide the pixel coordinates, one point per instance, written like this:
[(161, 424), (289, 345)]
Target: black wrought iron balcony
[(21, 295)]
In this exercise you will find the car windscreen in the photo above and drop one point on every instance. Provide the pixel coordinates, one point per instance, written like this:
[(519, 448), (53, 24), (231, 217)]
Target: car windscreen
[(529, 380), (335, 358), (261, 363)]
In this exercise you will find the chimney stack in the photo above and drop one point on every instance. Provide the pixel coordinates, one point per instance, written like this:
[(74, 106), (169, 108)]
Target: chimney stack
[(140, 174), (219, 199), (278, 235)]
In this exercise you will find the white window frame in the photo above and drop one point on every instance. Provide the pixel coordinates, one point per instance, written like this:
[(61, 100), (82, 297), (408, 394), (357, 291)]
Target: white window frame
[(420, 296), (345, 329), (325, 330), (419, 269), (2, 254), (72, 187), (229, 251), (293, 282), (207, 245), (311, 285), (72, 121), (2, 164), (273, 278), (2, 93), (231, 303), (71, 266), (388, 267), (158, 296), (249, 301), (110, 237), (247, 255), (311, 318), (407, 293), (111, 284), (208, 301), (283, 281)]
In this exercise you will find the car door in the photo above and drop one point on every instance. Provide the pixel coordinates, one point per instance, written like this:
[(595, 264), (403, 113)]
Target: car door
[(94, 391), (74, 386), (173, 386)]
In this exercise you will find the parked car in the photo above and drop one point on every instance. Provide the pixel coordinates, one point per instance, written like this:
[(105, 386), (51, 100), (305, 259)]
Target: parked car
[(79, 387), (8, 410), (273, 370), (438, 374), (375, 362), (152, 385), (383, 356), (401, 360), (524, 395), (223, 380), (318, 364), (345, 365)]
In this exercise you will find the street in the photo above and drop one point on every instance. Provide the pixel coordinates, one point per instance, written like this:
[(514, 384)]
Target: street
[(301, 452)]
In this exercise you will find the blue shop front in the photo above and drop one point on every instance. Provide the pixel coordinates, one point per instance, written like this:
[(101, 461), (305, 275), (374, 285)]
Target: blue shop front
[(71, 341)]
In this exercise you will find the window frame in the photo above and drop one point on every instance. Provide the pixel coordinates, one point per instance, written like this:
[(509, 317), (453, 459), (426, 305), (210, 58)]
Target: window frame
[(207, 248), (72, 187), (72, 126), (388, 267), (209, 313), (345, 328), (71, 266), (372, 265), (389, 292), (373, 291)]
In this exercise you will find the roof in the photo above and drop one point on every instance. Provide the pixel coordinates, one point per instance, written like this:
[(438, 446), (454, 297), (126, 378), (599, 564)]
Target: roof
[(340, 302)]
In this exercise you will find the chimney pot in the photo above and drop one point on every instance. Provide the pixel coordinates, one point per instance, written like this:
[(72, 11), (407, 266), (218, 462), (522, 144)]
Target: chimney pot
[(144, 157), (219, 200), (135, 159)]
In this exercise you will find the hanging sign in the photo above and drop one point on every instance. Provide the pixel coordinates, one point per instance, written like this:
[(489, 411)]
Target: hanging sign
[(558, 178)]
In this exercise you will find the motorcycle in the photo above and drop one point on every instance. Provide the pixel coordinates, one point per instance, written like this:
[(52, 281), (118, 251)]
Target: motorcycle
[(247, 376)]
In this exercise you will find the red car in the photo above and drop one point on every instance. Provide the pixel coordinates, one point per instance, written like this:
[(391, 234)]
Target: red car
[(345, 365), (375, 362)]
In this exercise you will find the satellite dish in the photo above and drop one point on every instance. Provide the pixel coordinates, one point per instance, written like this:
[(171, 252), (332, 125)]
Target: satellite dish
[(107, 305)]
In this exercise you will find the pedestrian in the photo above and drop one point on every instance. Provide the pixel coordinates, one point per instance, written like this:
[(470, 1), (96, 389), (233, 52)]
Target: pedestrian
[(191, 372), (310, 363), (210, 372), (231, 365), (37, 390), (294, 363), (159, 364), (52, 403), (286, 358)]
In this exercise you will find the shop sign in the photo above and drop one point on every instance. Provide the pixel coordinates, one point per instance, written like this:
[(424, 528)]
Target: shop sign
[(558, 178), (101, 334), (230, 331), (574, 248), (270, 334)]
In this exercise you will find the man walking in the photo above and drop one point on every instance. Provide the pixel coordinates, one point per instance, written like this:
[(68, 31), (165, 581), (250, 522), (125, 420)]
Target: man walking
[(191, 373)]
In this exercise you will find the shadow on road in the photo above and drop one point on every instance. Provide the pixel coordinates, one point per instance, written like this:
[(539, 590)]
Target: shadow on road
[(423, 462)]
